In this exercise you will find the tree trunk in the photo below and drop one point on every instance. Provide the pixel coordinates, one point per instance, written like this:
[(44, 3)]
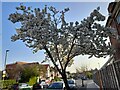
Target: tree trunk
[(64, 77)]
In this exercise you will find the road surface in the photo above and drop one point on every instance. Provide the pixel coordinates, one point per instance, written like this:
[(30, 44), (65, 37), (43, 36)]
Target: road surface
[(88, 85)]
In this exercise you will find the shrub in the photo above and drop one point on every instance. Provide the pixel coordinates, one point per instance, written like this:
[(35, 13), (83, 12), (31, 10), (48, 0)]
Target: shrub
[(8, 83), (89, 75), (57, 78), (32, 81)]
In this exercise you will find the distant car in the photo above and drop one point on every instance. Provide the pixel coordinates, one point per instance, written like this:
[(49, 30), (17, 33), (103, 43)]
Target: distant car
[(24, 86), (84, 78), (56, 86), (43, 84), (71, 83), (36, 86)]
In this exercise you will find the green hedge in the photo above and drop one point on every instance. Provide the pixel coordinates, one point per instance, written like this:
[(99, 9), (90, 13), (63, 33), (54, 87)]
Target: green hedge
[(7, 83), (1, 84)]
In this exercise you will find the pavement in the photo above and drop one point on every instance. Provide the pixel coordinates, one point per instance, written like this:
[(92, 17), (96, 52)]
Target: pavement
[(92, 86), (88, 85)]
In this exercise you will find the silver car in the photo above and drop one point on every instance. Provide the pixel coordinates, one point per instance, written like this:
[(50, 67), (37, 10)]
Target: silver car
[(23, 86)]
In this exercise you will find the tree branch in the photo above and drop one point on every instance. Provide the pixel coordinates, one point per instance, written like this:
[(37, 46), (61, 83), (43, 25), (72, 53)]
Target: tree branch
[(68, 60), (58, 57), (56, 44), (55, 20), (50, 56)]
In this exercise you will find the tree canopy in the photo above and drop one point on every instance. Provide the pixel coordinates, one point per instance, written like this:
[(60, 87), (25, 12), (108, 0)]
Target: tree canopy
[(47, 29)]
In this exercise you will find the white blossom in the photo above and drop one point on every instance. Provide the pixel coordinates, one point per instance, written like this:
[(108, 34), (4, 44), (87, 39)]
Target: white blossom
[(48, 27)]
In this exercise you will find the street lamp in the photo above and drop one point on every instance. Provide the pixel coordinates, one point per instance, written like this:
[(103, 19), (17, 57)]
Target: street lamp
[(6, 57), (4, 72)]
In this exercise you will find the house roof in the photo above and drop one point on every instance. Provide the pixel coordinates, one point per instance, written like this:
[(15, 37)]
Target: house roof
[(21, 63), (45, 65), (13, 65)]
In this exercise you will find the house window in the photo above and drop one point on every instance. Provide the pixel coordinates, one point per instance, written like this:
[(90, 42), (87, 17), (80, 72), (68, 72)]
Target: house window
[(118, 18)]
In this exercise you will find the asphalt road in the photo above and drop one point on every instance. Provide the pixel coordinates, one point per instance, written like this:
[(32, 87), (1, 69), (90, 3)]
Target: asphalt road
[(79, 82)]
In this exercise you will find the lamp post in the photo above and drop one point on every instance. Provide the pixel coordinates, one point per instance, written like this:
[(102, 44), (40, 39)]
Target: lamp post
[(6, 57), (4, 72)]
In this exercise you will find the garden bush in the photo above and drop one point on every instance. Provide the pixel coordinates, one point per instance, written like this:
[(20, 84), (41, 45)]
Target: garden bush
[(57, 78), (7, 83), (32, 81)]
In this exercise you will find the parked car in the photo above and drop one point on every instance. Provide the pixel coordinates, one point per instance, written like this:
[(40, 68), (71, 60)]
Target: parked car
[(71, 83), (24, 86), (36, 86), (43, 84), (56, 86)]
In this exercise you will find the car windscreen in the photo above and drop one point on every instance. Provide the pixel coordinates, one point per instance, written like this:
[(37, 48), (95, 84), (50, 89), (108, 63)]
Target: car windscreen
[(56, 86), (71, 82)]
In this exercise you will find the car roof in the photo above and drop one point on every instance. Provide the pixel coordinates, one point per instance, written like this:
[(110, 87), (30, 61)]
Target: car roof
[(59, 82), (71, 80)]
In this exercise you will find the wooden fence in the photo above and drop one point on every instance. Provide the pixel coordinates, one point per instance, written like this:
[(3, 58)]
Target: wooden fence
[(108, 77)]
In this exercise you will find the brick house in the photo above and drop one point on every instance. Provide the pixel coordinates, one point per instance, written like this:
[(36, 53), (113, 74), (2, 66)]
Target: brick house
[(114, 22), (46, 70), (54, 73), (14, 70)]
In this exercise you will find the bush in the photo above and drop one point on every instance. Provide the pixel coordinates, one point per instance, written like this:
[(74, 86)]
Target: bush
[(57, 78), (89, 75), (32, 81), (8, 83), (0, 84)]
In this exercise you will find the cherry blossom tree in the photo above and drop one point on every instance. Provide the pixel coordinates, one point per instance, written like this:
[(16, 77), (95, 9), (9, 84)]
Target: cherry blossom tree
[(47, 29)]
